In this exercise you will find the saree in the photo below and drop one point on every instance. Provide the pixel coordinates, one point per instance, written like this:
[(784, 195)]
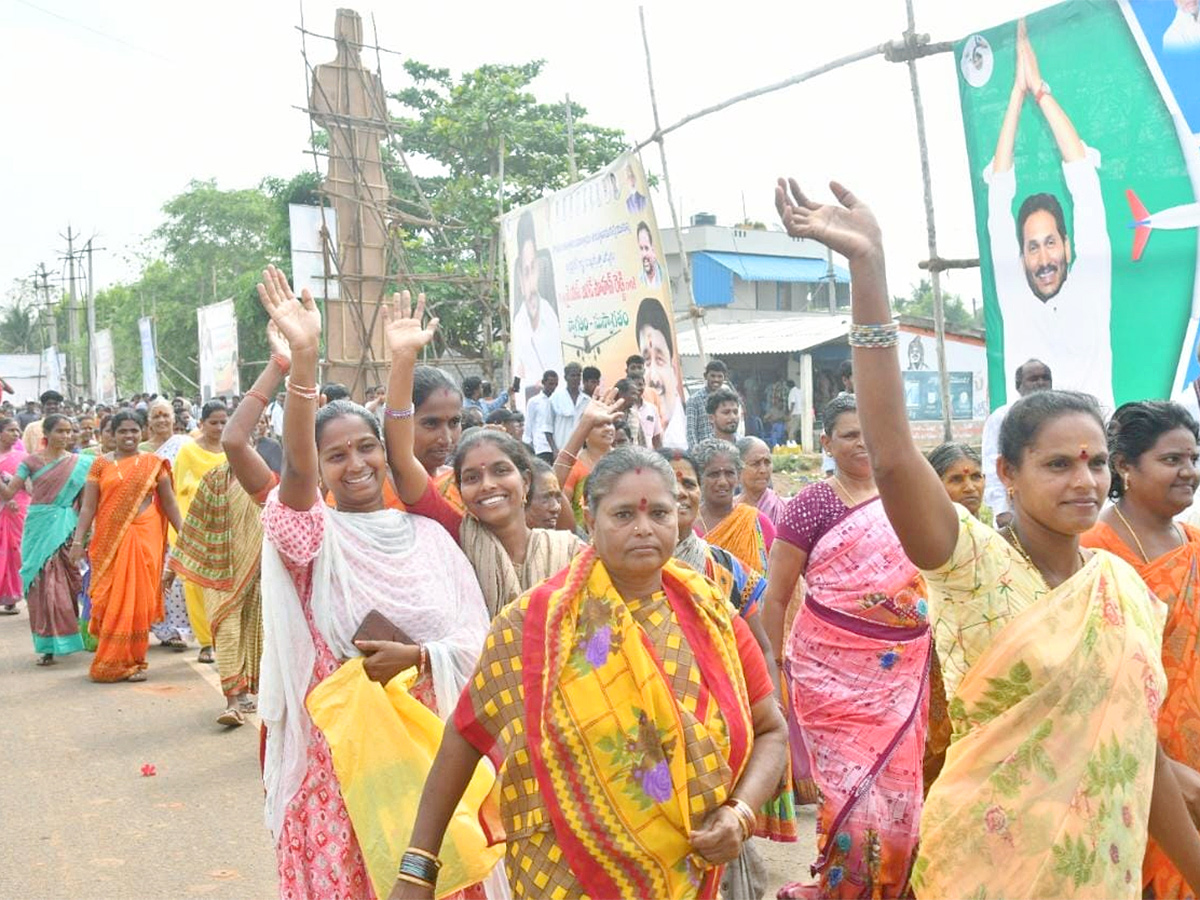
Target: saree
[(1046, 787), (174, 625), (741, 534), (448, 488), (620, 725), (575, 487), (857, 661), (12, 527), (129, 536), (1173, 578), (744, 590), (770, 504), (191, 463), (546, 554), (50, 582), (323, 571), (220, 551)]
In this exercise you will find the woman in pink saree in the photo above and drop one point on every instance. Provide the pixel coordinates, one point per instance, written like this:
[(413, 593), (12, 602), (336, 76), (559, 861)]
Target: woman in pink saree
[(857, 663), (12, 518)]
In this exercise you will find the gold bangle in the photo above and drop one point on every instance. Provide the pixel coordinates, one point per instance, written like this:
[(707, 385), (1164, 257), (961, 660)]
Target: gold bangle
[(425, 853), (746, 816)]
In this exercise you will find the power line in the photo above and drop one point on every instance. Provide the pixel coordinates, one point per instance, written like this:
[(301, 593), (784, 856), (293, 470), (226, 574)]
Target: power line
[(95, 31)]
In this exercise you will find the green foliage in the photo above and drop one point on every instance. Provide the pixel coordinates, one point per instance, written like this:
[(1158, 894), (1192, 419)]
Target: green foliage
[(919, 302), (1004, 693), (1110, 769), (465, 127), (1074, 859), (214, 244), (20, 328)]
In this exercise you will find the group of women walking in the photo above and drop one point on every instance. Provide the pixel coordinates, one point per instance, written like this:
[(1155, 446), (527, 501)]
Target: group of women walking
[(977, 712)]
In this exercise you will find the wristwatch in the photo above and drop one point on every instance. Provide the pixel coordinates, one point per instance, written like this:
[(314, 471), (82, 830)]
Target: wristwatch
[(1042, 91)]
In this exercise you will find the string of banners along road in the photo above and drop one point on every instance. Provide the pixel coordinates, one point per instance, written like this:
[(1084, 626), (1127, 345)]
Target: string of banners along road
[(1083, 134), (588, 284)]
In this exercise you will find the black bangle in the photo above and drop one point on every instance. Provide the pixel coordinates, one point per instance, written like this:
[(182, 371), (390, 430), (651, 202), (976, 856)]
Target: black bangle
[(421, 867)]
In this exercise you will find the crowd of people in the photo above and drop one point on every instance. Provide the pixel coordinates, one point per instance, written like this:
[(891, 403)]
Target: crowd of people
[(646, 651)]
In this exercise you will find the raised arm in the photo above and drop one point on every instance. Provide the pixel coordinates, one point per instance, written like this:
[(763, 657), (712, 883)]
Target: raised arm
[(406, 335), (237, 439), (1070, 145), (598, 412), (912, 494), (299, 322), (1003, 160)]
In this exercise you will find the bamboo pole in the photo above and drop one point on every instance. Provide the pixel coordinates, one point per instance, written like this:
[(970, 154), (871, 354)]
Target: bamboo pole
[(685, 264), (939, 311)]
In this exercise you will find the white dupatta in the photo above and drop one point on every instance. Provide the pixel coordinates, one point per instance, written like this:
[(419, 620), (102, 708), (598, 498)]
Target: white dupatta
[(406, 567)]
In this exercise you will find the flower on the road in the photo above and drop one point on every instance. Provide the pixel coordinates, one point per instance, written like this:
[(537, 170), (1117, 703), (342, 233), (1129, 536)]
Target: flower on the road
[(148, 770)]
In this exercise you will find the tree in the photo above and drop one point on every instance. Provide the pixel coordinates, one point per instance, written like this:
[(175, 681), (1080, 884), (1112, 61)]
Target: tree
[(19, 327), (467, 127), (919, 302)]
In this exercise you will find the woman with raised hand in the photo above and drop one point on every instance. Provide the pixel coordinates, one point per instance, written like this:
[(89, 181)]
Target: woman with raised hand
[(12, 517), (127, 504), (631, 712), (578, 456), (193, 460), (1051, 654), (54, 479), (492, 472), (742, 530), (220, 546), (437, 425), (325, 570), (757, 467), (1152, 455), (855, 660)]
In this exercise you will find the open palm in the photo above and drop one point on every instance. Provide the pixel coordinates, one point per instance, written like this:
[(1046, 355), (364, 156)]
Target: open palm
[(848, 227), (297, 320), (404, 327)]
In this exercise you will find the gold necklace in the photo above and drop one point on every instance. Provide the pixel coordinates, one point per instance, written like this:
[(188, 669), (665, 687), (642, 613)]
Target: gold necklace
[(850, 496), (1015, 540), (1133, 534)]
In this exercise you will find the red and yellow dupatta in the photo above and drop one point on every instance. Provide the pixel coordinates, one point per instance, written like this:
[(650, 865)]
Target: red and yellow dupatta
[(606, 734)]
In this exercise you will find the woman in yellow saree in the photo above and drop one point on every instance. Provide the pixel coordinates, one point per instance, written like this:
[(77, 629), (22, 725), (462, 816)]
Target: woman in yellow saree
[(1050, 654), (192, 462), (633, 715), (1153, 458), (128, 498)]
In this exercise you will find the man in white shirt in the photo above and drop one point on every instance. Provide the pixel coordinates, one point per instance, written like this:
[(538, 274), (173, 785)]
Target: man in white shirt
[(651, 273), (1054, 289), (539, 419), (795, 409), (537, 344), (568, 404), (1032, 375), (1183, 34)]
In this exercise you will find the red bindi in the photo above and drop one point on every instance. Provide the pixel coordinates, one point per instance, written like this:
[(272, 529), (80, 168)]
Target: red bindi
[(643, 504), (1083, 454), (637, 471)]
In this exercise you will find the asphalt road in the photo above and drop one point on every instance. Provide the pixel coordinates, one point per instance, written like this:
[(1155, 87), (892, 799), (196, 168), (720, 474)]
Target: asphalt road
[(78, 818)]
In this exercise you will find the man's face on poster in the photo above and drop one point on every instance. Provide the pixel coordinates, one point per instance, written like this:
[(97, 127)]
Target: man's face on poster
[(631, 177), (528, 268), (649, 257), (660, 369), (1045, 253)]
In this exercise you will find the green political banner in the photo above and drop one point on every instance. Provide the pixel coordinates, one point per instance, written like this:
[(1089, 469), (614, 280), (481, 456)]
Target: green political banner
[(1081, 125)]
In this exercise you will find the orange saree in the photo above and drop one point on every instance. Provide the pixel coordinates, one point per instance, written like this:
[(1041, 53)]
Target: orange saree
[(129, 540), (1174, 578)]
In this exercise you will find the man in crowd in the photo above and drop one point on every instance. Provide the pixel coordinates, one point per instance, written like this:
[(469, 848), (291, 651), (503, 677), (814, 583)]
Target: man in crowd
[(29, 414), (539, 419), (472, 388), (795, 409), (1032, 375), (699, 425), (568, 404), (32, 438), (591, 380), (635, 366), (724, 412)]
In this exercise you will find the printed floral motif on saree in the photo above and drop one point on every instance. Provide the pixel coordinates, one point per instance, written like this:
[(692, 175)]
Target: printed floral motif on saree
[(1046, 788)]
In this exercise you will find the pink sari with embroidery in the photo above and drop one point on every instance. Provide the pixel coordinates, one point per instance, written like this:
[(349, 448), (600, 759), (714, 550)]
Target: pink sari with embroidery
[(857, 660)]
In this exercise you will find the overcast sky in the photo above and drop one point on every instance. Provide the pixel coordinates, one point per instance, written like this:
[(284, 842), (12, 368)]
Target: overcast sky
[(110, 109)]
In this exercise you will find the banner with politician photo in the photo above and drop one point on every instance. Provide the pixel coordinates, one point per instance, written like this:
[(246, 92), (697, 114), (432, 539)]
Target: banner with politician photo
[(217, 330), (588, 284), (1080, 149)]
